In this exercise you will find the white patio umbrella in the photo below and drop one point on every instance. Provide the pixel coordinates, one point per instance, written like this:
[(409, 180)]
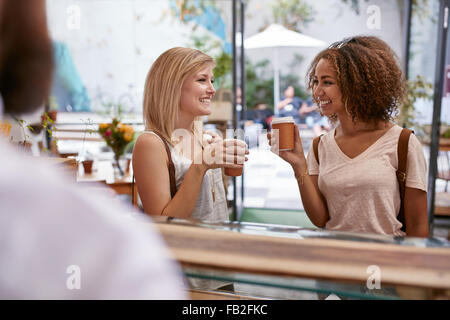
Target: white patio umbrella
[(276, 36)]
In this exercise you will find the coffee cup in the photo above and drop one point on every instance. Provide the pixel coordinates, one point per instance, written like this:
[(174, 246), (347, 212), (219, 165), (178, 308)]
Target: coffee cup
[(285, 127), (233, 172)]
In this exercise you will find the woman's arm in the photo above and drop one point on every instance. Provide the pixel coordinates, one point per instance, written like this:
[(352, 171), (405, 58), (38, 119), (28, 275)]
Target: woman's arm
[(150, 167), (312, 199), (416, 216), (284, 103)]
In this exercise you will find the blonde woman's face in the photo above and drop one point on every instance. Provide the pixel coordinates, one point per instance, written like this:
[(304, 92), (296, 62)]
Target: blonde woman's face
[(197, 92)]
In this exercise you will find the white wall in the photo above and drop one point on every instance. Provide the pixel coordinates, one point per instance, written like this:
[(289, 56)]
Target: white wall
[(116, 41)]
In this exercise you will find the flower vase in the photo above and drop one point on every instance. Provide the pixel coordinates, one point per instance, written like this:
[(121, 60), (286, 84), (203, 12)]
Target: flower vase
[(118, 167)]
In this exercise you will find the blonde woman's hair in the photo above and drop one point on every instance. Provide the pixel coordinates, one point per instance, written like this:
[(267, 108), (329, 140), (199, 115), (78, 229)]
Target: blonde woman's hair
[(163, 87)]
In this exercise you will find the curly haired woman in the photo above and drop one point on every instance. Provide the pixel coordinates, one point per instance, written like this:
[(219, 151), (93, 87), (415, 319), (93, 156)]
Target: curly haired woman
[(358, 85)]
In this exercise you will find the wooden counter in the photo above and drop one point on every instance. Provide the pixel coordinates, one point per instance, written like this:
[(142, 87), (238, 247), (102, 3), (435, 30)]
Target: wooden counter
[(327, 259)]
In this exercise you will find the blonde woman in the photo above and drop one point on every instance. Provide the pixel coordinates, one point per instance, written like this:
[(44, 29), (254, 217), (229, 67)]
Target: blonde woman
[(178, 91)]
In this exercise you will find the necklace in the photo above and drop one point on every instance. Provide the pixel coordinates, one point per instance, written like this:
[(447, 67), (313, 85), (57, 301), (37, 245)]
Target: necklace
[(196, 139), (211, 183), (210, 174)]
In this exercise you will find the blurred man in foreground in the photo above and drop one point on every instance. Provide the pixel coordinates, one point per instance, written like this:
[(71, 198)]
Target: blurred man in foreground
[(57, 241)]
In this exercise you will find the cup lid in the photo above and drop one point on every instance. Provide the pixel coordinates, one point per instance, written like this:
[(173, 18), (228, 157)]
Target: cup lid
[(283, 120)]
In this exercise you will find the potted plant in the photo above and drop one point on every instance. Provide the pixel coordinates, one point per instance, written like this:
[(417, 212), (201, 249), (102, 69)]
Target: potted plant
[(87, 162), (85, 157), (51, 114), (117, 136), (417, 88)]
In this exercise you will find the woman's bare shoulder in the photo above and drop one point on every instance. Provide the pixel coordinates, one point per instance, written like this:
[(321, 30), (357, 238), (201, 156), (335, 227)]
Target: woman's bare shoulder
[(149, 140), (149, 145)]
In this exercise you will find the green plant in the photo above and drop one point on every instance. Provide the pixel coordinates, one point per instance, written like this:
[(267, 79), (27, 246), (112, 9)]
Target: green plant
[(181, 8), (184, 10), (23, 124), (224, 61), (88, 125), (259, 84), (417, 88), (222, 71), (113, 109), (354, 4), (446, 134), (24, 144), (47, 123), (293, 14)]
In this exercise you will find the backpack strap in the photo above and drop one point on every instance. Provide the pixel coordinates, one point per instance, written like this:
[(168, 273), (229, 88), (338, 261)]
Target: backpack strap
[(171, 167), (316, 147), (402, 155)]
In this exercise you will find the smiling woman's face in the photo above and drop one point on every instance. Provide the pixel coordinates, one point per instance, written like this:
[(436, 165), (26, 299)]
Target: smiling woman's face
[(326, 90), (197, 92)]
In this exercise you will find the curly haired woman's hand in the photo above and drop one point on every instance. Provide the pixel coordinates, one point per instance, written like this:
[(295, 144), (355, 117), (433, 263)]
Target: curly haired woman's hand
[(294, 157)]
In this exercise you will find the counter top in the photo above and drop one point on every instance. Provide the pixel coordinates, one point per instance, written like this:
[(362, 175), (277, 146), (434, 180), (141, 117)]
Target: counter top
[(297, 252)]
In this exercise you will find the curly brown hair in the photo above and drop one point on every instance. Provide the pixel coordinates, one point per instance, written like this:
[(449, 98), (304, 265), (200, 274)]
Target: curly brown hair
[(368, 75)]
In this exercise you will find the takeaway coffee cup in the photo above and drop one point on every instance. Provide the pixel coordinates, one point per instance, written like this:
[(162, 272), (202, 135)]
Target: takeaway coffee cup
[(232, 172), (285, 128)]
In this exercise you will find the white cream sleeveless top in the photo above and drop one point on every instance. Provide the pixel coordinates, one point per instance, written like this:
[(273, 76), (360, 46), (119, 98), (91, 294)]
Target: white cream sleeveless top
[(206, 208)]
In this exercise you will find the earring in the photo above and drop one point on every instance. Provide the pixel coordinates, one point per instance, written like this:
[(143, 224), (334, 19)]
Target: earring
[(346, 109)]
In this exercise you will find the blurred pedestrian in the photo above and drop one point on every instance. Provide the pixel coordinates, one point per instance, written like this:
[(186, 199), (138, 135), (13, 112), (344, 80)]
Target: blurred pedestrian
[(290, 104)]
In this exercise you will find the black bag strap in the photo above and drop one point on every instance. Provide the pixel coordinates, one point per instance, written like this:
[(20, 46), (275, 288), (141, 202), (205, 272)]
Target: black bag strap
[(402, 155), (171, 167)]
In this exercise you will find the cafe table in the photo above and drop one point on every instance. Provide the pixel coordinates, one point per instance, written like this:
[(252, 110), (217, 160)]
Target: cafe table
[(292, 259), (103, 172)]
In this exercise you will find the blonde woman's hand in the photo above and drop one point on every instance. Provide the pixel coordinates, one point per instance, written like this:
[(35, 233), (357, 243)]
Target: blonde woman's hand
[(293, 157), (229, 153), (209, 136)]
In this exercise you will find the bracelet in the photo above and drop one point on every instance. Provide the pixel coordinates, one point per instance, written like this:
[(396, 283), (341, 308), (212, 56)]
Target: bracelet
[(302, 176)]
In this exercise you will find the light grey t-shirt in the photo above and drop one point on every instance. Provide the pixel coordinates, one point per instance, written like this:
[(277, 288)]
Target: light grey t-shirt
[(362, 193), (206, 208)]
